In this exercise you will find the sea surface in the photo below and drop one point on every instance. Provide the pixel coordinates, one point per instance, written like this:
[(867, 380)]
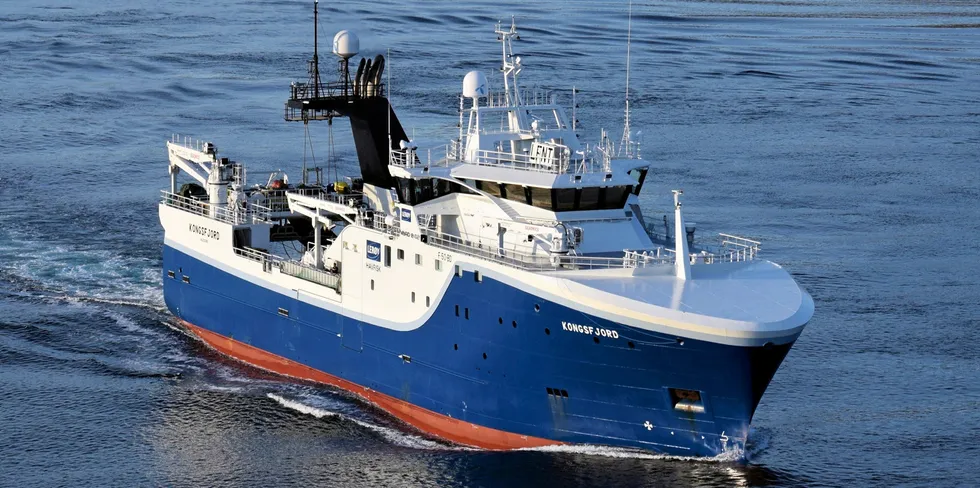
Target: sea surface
[(845, 134)]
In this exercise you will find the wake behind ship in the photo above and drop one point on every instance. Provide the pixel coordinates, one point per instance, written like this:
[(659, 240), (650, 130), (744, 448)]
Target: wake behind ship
[(502, 291)]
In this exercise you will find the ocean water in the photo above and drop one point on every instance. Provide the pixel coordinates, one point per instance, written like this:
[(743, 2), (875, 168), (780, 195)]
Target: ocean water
[(843, 134)]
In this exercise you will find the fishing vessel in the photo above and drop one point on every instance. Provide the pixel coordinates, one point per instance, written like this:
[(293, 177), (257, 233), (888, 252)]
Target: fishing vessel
[(501, 291)]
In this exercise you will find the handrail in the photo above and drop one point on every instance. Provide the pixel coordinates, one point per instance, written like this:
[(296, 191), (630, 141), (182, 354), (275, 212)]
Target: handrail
[(744, 250), (223, 213), (453, 153), (335, 89), (291, 268)]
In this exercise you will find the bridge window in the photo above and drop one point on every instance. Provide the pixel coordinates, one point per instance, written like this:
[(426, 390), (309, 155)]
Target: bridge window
[(588, 198), (401, 254), (516, 193), (616, 196), (540, 197), (490, 188), (639, 175), (414, 192), (563, 198)]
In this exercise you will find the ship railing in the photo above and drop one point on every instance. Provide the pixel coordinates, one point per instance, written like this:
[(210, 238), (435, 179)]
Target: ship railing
[(222, 213), (313, 91), (267, 260), (260, 212), (309, 273), (384, 223), (278, 200), (291, 268), (733, 249), (554, 164), (445, 155), (350, 199), (511, 258)]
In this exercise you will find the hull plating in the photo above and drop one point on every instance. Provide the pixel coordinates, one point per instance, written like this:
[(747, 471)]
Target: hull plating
[(493, 358)]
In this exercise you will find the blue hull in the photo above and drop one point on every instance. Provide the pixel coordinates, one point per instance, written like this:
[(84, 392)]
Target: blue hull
[(508, 366)]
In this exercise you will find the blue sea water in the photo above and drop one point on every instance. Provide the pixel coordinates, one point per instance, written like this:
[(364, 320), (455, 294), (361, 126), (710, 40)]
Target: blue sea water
[(843, 134)]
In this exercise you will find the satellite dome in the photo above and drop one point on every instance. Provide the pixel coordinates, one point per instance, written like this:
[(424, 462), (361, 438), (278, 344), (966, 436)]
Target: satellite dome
[(346, 44), (475, 85)]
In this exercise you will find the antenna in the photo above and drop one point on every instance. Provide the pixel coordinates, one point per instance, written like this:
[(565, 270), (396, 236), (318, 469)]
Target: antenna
[(389, 102), (625, 144), (315, 68), (574, 108)]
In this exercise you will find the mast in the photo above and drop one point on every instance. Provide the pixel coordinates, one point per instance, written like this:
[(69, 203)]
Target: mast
[(315, 68), (511, 67), (624, 146)]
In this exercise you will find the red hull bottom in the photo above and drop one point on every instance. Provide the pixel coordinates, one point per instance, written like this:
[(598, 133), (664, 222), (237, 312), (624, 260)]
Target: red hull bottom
[(425, 420)]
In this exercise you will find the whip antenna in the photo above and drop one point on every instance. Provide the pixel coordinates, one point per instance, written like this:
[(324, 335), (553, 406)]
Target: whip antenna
[(624, 146)]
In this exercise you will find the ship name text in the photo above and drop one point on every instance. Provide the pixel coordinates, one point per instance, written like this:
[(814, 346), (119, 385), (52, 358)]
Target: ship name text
[(204, 231), (590, 330)]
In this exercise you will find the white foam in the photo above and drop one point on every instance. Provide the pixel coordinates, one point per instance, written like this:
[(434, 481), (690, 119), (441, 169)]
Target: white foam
[(302, 408), (73, 272), (393, 436), (624, 453)]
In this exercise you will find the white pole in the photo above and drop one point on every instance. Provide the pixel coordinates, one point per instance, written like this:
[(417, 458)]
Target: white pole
[(317, 252), (682, 258)]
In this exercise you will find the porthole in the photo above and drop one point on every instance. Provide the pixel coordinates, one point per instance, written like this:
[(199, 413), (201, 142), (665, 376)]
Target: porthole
[(500, 320), (484, 355), (455, 347), (547, 331), (514, 323), (595, 340), (631, 345), (537, 308)]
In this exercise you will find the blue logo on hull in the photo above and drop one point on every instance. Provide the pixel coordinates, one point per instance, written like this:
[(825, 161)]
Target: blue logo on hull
[(406, 215), (373, 251)]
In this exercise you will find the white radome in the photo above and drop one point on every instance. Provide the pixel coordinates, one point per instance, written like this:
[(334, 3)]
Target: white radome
[(346, 44), (475, 85)]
